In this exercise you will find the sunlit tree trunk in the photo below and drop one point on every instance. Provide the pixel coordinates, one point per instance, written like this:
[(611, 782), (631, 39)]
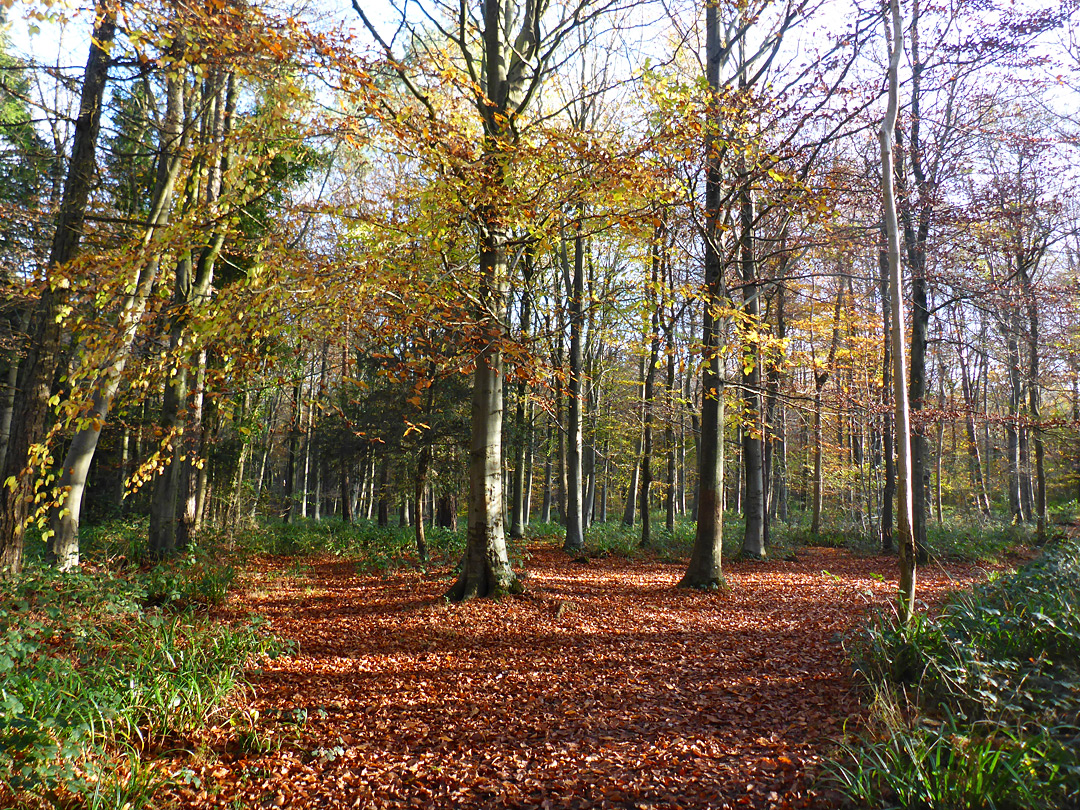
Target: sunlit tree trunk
[(485, 570), (888, 493), (645, 487), (192, 288), (575, 530), (886, 136), (37, 370), (630, 507), (64, 516)]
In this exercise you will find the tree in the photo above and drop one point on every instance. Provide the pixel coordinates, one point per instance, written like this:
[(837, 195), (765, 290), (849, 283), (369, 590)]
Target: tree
[(905, 539), (27, 454)]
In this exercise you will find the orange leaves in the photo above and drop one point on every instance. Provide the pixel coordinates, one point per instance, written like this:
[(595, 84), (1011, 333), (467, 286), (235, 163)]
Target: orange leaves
[(638, 694)]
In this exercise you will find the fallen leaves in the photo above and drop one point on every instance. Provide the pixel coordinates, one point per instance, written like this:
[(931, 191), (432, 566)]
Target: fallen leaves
[(603, 686)]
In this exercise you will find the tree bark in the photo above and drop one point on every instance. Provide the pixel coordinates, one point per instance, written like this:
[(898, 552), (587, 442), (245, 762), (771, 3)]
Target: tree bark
[(753, 545), (705, 568), (886, 134), (888, 493), (575, 531), (486, 570), (38, 368)]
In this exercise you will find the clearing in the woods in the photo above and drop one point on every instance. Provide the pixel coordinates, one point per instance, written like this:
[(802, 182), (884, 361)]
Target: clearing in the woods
[(602, 686)]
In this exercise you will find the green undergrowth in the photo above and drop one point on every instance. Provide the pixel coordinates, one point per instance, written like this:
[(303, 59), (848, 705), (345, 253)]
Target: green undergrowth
[(103, 666), (979, 706), (959, 536), (613, 538), (375, 548)]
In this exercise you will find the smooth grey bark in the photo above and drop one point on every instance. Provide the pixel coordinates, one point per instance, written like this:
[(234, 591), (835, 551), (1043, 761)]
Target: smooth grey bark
[(188, 499), (1012, 424), (575, 519), (1026, 266), (916, 229), (704, 569), (486, 570), (10, 385), (423, 465), (968, 391), (38, 368), (886, 136), (671, 494), (545, 504), (774, 479), (384, 490), (821, 377), (888, 493), (292, 454), (65, 514)]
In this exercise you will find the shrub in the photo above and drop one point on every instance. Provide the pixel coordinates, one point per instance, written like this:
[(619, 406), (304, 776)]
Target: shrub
[(89, 673), (991, 687)]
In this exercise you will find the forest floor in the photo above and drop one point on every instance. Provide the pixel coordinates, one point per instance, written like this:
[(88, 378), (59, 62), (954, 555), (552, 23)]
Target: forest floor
[(602, 686)]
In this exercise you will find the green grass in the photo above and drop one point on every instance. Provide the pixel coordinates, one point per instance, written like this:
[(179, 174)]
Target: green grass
[(374, 548), (101, 666), (982, 702)]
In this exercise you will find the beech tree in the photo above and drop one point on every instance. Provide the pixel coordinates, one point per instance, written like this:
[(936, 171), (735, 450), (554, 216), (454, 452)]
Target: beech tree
[(26, 455)]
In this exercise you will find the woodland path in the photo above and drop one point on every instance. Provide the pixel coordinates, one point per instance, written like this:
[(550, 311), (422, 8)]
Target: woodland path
[(602, 686)]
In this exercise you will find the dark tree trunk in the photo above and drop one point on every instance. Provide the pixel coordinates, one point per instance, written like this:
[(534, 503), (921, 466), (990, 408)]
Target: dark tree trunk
[(704, 569)]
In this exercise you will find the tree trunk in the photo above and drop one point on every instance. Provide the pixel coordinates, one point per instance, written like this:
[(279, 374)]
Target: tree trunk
[(753, 545), (384, 491), (519, 508), (38, 368), (575, 529), (192, 286), (905, 538), (423, 463), (189, 515), (630, 507), (485, 570), (704, 569), (648, 402), (888, 493)]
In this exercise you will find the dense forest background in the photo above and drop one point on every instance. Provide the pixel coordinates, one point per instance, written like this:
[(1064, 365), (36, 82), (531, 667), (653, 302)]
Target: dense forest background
[(619, 270), (255, 265)]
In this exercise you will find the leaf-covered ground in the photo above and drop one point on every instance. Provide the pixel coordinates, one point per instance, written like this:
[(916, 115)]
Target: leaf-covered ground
[(602, 686)]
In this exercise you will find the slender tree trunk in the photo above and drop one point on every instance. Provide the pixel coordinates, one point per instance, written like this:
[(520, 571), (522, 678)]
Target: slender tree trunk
[(888, 493), (188, 519), (384, 490), (519, 508), (630, 506), (545, 505), (753, 545), (671, 495), (1034, 404), (645, 490), (575, 519), (423, 463), (45, 328), (192, 287), (905, 538), (704, 569), (1012, 425)]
